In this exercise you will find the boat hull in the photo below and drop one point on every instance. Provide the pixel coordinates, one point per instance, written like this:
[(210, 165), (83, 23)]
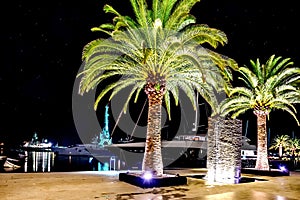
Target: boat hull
[(10, 163), (2, 160)]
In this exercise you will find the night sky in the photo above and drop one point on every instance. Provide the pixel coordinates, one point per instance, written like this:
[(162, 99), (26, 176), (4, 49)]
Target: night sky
[(42, 41)]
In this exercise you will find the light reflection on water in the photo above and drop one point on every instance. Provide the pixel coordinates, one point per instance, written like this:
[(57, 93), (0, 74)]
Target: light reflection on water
[(48, 161), (38, 161)]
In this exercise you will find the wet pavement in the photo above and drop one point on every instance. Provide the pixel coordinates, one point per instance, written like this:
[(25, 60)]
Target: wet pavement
[(106, 185)]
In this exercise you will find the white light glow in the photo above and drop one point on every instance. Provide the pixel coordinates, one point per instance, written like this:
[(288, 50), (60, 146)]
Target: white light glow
[(282, 168), (147, 176)]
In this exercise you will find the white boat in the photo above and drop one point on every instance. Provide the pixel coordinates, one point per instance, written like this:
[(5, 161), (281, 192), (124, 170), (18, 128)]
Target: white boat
[(41, 145), (37, 144), (11, 163), (77, 150), (82, 150)]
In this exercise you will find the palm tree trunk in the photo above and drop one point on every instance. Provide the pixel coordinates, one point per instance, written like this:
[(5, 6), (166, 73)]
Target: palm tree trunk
[(280, 151), (152, 157), (262, 162)]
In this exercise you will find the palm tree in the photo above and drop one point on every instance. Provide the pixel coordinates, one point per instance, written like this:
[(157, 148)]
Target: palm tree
[(293, 146), (158, 52), (280, 142), (266, 87)]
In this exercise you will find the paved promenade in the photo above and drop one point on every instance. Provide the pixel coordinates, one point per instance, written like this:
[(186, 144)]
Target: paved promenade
[(105, 186)]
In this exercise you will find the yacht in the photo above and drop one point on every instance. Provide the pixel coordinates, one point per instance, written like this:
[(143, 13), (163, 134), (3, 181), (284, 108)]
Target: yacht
[(35, 144), (82, 150), (77, 150)]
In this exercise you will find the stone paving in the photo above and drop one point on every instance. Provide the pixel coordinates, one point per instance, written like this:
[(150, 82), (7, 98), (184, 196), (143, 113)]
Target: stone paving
[(106, 185)]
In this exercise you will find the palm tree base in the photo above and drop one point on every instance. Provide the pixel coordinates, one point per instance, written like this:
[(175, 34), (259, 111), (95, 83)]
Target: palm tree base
[(139, 179), (272, 172)]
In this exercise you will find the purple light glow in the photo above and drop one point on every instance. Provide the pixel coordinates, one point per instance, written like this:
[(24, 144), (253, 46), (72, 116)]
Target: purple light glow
[(282, 168)]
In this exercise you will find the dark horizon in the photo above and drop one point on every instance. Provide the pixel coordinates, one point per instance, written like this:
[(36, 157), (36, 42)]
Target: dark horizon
[(43, 41)]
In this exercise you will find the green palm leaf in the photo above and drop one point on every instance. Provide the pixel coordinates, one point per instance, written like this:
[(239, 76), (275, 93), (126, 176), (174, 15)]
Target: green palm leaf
[(266, 87)]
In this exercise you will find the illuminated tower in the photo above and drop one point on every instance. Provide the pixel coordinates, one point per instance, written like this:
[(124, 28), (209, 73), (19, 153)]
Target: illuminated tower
[(104, 136)]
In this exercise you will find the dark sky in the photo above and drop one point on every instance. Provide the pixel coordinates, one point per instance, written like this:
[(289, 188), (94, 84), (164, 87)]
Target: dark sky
[(41, 44)]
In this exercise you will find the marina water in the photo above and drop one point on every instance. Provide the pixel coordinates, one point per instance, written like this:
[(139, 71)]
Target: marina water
[(48, 161)]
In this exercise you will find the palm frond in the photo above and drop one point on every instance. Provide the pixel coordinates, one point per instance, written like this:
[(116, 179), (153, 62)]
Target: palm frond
[(241, 91), (173, 89), (89, 47), (181, 9), (287, 75), (186, 21), (168, 103), (140, 10), (248, 77), (290, 111), (156, 8), (256, 68), (166, 9), (109, 9), (151, 46), (202, 33), (235, 105), (135, 89), (275, 67)]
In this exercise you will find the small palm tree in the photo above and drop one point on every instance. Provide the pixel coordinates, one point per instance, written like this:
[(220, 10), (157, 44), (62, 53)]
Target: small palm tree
[(293, 146), (280, 142), (158, 52), (266, 87)]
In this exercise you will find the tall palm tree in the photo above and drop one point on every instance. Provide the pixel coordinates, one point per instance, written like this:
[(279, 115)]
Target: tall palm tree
[(280, 142), (159, 52), (266, 87)]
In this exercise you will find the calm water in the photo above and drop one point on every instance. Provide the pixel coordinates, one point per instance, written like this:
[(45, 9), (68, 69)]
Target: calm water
[(47, 161)]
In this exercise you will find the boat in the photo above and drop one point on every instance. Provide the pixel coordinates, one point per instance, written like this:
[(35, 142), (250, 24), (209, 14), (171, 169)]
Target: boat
[(95, 148), (2, 160), (35, 144), (82, 150), (41, 145), (187, 142), (11, 163), (248, 150), (73, 150)]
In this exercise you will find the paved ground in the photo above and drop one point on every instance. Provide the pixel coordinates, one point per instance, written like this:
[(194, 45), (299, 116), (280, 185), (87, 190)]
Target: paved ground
[(106, 186)]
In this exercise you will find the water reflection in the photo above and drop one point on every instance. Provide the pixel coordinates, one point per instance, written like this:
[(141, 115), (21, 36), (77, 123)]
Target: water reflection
[(48, 161), (39, 161)]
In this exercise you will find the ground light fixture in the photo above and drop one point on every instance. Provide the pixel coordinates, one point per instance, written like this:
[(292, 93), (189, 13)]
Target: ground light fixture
[(147, 176), (148, 179), (283, 168)]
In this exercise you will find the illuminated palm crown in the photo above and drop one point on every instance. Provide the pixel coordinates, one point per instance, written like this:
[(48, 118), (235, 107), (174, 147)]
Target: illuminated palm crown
[(159, 53), (280, 141), (266, 87)]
